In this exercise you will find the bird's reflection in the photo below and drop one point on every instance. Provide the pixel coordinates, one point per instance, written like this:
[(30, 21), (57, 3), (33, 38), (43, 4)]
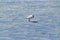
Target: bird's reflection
[(34, 21)]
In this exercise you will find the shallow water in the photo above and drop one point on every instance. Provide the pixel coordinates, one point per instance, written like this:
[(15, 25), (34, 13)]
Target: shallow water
[(45, 25)]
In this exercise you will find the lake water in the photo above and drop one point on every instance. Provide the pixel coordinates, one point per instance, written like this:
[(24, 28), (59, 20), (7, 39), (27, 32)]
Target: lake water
[(45, 25)]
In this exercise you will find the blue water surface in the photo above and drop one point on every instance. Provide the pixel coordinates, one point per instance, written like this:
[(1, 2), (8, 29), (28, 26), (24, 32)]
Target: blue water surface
[(45, 25)]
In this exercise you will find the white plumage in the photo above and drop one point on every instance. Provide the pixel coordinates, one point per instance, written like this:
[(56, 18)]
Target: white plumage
[(30, 17)]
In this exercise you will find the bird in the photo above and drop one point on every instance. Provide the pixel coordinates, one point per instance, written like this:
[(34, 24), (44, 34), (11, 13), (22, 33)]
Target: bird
[(30, 17)]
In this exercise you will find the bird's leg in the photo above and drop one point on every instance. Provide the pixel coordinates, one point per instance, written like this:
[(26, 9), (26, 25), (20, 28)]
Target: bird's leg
[(28, 19)]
